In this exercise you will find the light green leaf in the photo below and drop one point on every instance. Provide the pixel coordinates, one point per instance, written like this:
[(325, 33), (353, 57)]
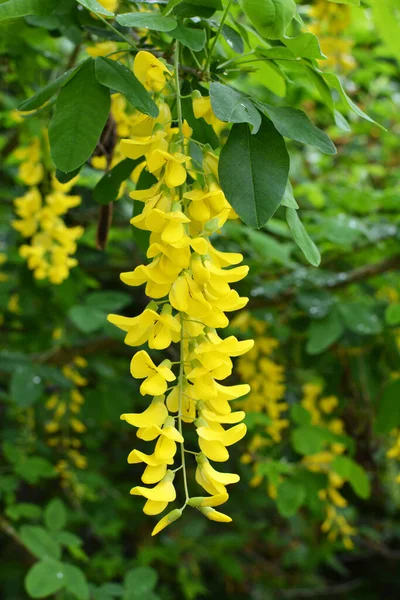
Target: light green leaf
[(355, 474), (139, 582), (82, 109), (310, 439), (305, 45), (87, 318), (269, 249), (195, 39), (121, 79), (290, 497), (270, 17), (96, 7), (75, 582), (66, 538), (386, 14), (288, 197), (322, 87), (45, 578), (388, 414), (39, 542), (334, 82), (232, 106), (294, 124), (324, 332), (392, 314), (26, 386), (22, 8), (34, 468), (55, 515), (353, 2), (147, 20), (254, 171), (47, 92), (302, 238)]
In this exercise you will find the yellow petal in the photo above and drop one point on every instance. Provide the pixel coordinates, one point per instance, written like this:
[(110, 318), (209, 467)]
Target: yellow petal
[(167, 520), (214, 515)]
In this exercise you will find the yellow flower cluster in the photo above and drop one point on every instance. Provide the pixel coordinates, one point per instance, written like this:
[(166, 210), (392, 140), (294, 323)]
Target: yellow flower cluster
[(31, 170), (189, 281), (330, 21), (49, 254), (65, 426), (319, 408), (266, 377)]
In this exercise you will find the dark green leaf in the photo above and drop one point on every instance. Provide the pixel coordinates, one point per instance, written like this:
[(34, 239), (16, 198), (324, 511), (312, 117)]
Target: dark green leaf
[(75, 582), (108, 301), (290, 497), (96, 7), (26, 386), (107, 189), (139, 582), (253, 171), (302, 238), (34, 468), (295, 124), (66, 177), (47, 92), (118, 77), (55, 515), (194, 39), (45, 578), (324, 332), (360, 318), (232, 106), (147, 20), (39, 542), (310, 439), (21, 8), (348, 469), (82, 110), (233, 39), (388, 415)]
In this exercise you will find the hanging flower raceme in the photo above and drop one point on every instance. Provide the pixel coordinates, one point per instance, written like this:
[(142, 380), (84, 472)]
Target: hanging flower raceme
[(189, 284)]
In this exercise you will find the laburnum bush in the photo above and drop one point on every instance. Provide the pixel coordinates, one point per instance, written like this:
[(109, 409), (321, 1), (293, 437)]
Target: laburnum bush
[(199, 235)]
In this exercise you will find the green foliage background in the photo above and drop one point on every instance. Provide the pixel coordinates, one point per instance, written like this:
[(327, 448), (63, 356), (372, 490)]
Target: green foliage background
[(337, 325)]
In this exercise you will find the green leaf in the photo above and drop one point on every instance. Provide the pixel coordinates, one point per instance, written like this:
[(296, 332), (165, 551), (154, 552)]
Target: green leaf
[(392, 314), (108, 301), (34, 468), (147, 20), (305, 45), (254, 171), (360, 318), (294, 124), (107, 189), (96, 7), (254, 419), (87, 318), (387, 18), (55, 515), (45, 578), (324, 332), (66, 538), (233, 39), (388, 415), (357, 477), (334, 82), (118, 77), (302, 238), (322, 87), (288, 198), (26, 386), (139, 582), (195, 39), (48, 91), (270, 17), (82, 110), (353, 2), (232, 106), (21, 8), (23, 510), (39, 542), (300, 415), (269, 249), (310, 439), (66, 177), (75, 582), (290, 497)]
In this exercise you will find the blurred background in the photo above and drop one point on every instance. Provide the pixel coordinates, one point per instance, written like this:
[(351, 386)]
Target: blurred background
[(316, 513)]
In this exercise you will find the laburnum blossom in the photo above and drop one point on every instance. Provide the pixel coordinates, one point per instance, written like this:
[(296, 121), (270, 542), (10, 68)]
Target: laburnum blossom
[(188, 282)]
